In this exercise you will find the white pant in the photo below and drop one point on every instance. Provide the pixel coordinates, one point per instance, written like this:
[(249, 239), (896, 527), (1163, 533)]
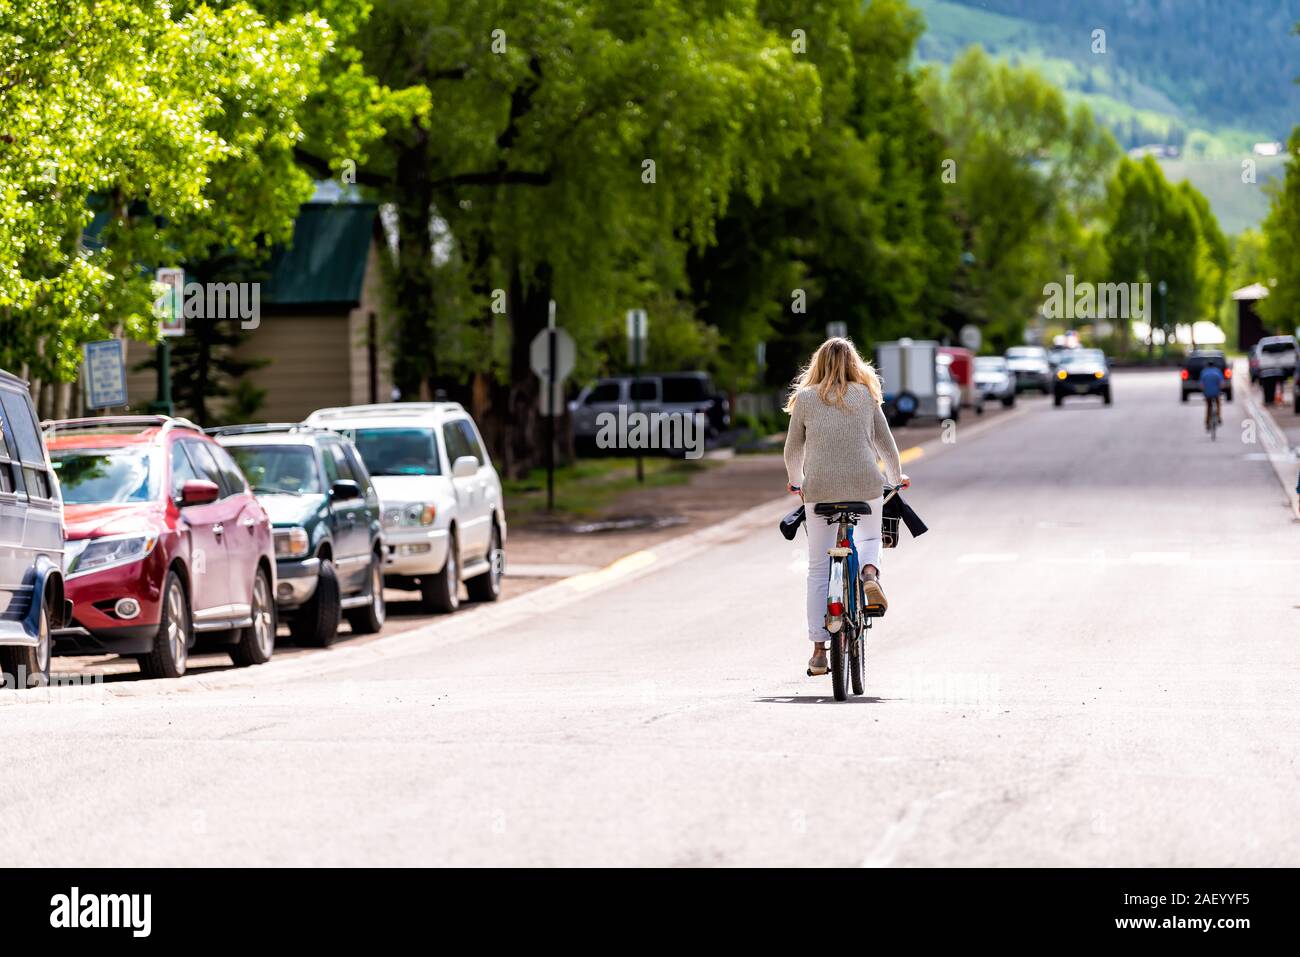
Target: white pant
[(866, 536)]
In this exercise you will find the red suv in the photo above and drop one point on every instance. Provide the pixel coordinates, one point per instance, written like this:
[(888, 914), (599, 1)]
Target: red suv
[(165, 544)]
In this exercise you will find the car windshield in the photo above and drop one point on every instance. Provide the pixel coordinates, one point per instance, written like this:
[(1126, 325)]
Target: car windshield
[(1025, 352), (989, 364), (278, 468), (408, 451), (1086, 356), (1274, 347), (102, 476)]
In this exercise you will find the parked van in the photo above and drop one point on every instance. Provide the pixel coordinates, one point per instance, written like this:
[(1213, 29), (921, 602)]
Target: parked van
[(31, 543)]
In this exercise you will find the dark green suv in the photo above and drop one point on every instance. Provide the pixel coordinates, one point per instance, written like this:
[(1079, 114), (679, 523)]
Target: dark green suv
[(325, 517)]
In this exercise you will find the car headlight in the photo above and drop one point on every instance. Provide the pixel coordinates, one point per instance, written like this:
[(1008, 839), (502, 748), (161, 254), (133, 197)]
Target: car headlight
[(419, 514), (1099, 375), (1060, 374), (108, 552), (291, 542)]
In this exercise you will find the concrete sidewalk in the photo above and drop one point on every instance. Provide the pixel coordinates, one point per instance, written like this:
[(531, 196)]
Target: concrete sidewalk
[(1279, 433)]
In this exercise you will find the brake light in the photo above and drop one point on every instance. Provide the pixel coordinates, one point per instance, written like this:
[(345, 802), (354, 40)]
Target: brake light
[(837, 609), (1227, 373), (1185, 374), (844, 543)]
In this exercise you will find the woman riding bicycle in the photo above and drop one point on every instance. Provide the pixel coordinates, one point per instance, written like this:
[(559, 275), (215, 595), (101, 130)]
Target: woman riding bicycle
[(837, 435)]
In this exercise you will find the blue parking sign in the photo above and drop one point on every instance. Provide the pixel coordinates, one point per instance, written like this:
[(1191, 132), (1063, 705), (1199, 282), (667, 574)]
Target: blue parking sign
[(104, 369)]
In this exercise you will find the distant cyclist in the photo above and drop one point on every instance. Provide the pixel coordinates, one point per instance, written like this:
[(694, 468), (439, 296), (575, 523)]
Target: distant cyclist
[(837, 435), (1212, 389)]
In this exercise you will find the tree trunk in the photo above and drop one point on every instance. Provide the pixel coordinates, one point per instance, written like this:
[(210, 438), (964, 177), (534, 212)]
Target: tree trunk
[(416, 359), (523, 433)]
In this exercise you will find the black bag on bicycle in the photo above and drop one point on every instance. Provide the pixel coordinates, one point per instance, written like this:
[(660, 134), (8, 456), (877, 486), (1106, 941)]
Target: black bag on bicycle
[(790, 524), (894, 512)]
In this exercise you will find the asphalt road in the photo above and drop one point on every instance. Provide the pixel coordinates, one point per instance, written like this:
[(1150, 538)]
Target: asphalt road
[(1092, 658)]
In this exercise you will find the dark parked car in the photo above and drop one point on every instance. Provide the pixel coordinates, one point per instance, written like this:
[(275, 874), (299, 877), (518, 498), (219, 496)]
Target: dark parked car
[(688, 392), (31, 543), (165, 546), (326, 519), (1082, 372), (1194, 364)]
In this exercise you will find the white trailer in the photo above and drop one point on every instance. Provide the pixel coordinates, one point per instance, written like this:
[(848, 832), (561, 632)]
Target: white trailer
[(907, 369)]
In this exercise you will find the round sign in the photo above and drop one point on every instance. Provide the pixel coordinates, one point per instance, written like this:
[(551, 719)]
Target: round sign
[(970, 337)]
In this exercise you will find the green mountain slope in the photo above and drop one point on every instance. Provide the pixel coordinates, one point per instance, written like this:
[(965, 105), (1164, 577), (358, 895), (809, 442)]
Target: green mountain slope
[(1210, 77)]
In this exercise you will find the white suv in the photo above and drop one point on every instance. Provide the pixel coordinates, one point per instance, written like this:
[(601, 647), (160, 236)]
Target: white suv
[(444, 520)]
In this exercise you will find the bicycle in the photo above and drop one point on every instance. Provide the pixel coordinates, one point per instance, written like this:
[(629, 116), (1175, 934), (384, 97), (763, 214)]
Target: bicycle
[(848, 616), (1213, 417)]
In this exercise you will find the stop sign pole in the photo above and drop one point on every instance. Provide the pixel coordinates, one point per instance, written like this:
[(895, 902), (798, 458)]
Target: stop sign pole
[(551, 354)]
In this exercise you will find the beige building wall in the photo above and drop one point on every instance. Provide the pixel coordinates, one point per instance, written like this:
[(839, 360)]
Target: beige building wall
[(316, 360)]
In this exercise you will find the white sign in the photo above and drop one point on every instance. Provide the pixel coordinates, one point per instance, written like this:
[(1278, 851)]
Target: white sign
[(837, 330), (104, 370), (638, 324), (539, 354), (169, 306), (970, 337)]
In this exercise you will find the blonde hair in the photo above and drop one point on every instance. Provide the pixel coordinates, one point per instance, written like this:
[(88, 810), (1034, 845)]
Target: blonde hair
[(832, 368)]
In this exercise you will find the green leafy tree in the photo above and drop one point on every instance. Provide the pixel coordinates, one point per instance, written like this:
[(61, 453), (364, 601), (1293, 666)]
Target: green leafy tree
[(1030, 185), (1158, 232), (1281, 229), (572, 152), (175, 128)]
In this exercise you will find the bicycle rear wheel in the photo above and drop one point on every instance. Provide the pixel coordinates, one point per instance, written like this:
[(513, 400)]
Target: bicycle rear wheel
[(857, 662), (839, 666)]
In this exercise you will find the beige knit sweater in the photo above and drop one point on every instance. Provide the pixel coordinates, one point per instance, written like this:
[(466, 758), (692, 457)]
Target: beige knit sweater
[(832, 452)]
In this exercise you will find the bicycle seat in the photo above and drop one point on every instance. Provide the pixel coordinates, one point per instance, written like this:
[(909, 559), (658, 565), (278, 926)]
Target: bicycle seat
[(836, 508)]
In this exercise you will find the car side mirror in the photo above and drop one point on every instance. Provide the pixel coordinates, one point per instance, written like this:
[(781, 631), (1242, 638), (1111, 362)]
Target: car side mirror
[(345, 490), (199, 492), (464, 467)]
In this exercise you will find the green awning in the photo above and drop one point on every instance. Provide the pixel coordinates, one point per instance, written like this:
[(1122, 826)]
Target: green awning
[(326, 262)]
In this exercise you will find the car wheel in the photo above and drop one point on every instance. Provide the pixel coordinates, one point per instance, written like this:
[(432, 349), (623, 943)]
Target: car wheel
[(28, 667), (257, 641), (317, 621), (440, 593), (370, 617), (171, 647), (1228, 395), (487, 586), (1009, 401), (1184, 395), (1105, 395), (1057, 398)]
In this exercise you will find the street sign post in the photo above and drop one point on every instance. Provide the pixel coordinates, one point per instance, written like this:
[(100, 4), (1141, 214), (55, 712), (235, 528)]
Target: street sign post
[(169, 308), (971, 337), (638, 324), (551, 355), (104, 372)]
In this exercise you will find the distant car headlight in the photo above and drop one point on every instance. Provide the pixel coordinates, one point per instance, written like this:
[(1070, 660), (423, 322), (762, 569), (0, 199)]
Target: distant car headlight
[(1100, 375), (1060, 374), (109, 552), (291, 542)]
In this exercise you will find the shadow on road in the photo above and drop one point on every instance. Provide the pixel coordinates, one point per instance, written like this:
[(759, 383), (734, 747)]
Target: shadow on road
[(820, 699)]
